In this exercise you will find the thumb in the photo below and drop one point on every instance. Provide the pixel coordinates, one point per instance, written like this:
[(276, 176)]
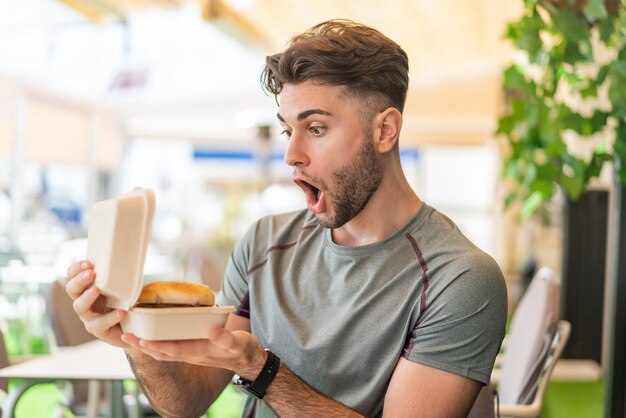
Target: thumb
[(222, 338)]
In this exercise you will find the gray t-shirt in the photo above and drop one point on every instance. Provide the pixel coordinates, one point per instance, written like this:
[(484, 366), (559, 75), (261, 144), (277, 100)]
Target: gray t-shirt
[(341, 317)]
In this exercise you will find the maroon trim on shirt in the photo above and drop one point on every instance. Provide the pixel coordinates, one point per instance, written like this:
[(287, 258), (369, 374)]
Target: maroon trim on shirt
[(408, 345), (278, 247), (269, 250), (244, 307), (420, 257), (252, 411), (257, 266), (411, 338)]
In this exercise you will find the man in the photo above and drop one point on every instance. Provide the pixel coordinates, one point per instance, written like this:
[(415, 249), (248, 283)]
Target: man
[(370, 302)]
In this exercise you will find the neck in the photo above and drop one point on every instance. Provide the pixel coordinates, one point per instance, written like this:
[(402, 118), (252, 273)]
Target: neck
[(390, 208)]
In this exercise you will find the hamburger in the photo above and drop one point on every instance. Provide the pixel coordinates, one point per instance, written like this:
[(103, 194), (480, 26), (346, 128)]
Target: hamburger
[(170, 294)]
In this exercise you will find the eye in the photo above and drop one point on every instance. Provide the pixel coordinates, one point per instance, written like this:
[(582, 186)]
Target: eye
[(317, 130), (286, 132)]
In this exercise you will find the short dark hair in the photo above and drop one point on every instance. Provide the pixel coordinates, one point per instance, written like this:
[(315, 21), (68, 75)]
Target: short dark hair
[(343, 53)]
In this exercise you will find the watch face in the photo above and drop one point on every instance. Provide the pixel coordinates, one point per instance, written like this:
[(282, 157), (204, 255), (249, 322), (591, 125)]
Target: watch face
[(247, 388)]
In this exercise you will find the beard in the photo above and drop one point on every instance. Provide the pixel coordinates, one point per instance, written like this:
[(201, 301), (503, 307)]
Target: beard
[(354, 185)]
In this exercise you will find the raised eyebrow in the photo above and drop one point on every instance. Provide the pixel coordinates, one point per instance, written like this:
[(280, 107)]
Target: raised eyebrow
[(306, 114)]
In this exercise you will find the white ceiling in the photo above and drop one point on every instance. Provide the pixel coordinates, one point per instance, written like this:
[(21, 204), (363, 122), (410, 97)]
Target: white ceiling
[(186, 59), (196, 73)]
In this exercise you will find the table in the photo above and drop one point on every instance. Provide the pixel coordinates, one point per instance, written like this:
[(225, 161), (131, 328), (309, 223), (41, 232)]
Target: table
[(94, 361)]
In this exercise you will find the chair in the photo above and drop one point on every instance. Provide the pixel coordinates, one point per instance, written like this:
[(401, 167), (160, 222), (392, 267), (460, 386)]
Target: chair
[(4, 383), (533, 345), (67, 327), (534, 405), (68, 330), (4, 362)]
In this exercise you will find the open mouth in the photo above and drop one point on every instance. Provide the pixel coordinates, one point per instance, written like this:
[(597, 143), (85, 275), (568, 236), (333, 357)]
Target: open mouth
[(312, 193)]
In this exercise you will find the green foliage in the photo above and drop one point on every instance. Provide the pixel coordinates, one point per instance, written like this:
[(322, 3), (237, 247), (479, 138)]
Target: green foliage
[(46, 401), (561, 41)]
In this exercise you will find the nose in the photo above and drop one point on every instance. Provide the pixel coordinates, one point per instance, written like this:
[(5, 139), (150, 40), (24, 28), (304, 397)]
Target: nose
[(296, 154)]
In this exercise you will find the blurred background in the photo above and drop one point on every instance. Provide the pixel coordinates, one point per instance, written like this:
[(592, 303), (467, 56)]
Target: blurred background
[(100, 96)]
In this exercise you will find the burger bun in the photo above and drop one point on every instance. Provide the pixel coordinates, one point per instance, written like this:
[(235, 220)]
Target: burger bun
[(176, 293)]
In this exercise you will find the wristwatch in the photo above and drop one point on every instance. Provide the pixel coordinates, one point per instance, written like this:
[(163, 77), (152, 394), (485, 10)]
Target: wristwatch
[(263, 380)]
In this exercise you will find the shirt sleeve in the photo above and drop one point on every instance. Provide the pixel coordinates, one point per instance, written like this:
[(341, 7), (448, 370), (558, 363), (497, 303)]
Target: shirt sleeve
[(462, 327), (234, 291)]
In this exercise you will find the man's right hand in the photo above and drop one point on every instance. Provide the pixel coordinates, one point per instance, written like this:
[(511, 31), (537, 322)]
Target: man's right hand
[(90, 306)]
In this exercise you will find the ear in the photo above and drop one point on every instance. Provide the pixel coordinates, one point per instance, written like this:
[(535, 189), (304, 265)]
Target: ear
[(388, 124)]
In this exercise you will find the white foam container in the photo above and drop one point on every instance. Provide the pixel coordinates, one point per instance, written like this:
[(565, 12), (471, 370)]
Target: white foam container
[(117, 242)]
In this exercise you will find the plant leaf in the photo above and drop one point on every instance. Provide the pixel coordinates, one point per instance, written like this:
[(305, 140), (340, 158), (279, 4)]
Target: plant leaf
[(531, 204), (514, 77), (606, 27), (506, 124), (531, 174), (574, 184), (510, 199), (619, 147), (594, 167), (538, 115), (526, 35), (544, 187), (617, 87), (571, 25), (598, 121), (595, 10), (511, 169), (622, 172)]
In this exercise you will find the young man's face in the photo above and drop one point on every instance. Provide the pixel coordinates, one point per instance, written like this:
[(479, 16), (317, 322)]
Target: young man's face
[(330, 149)]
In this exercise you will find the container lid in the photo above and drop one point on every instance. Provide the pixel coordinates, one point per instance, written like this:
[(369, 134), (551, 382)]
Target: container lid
[(117, 242)]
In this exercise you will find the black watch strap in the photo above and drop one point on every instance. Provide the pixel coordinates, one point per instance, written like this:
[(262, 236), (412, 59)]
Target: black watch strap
[(265, 377)]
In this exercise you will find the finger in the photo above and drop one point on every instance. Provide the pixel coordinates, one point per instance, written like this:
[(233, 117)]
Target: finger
[(222, 338), (77, 286), (142, 345), (77, 267), (172, 349), (130, 339), (101, 325), (182, 350), (83, 304), (157, 355)]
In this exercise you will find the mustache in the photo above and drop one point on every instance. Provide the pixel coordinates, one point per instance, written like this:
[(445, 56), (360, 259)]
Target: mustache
[(300, 172)]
